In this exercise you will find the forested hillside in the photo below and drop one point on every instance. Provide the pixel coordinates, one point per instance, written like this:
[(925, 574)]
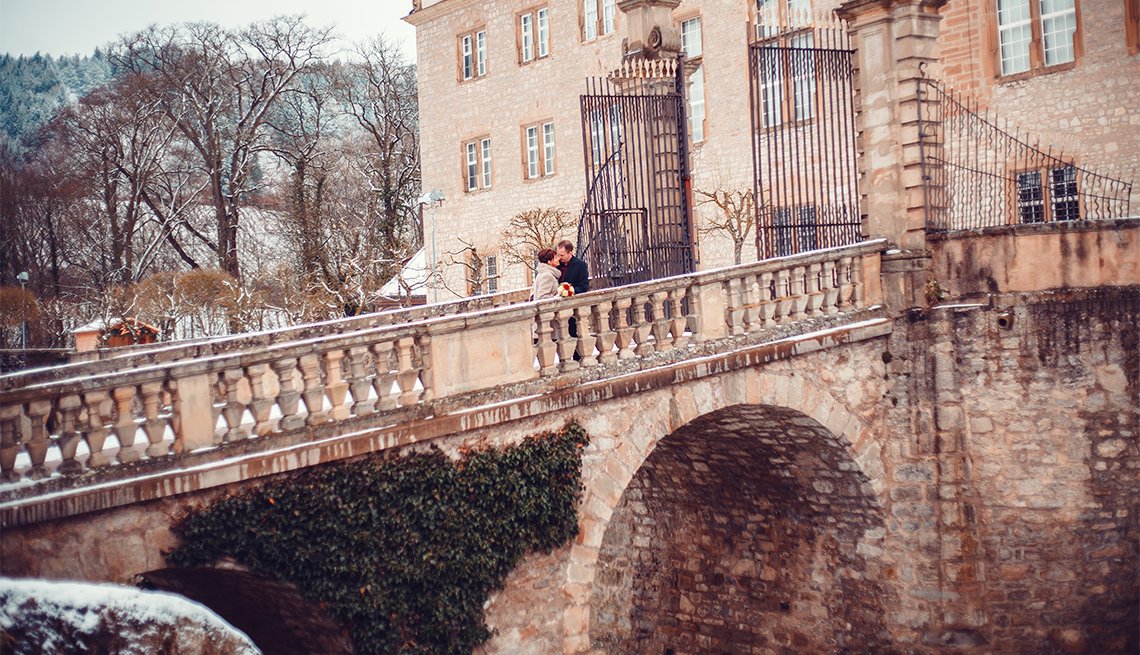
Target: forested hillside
[(33, 89)]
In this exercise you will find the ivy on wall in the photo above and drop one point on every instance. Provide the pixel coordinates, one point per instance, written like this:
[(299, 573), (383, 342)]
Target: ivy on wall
[(404, 551)]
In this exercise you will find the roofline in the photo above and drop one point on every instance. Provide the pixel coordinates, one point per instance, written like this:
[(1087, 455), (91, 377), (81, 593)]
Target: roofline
[(419, 16)]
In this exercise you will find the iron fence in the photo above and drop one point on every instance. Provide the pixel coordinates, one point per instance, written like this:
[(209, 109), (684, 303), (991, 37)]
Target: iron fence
[(635, 222), (978, 174), (803, 138)]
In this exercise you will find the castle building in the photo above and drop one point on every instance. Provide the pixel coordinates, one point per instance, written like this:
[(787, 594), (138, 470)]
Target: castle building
[(500, 84)]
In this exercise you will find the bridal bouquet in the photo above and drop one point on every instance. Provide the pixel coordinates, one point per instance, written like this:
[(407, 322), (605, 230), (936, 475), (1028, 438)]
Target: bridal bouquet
[(565, 290)]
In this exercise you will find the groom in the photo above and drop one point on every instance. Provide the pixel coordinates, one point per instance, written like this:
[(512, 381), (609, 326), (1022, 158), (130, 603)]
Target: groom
[(574, 270), (576, 273)]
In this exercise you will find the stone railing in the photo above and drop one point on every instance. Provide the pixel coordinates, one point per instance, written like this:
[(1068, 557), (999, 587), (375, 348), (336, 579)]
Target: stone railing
[(93, 416)]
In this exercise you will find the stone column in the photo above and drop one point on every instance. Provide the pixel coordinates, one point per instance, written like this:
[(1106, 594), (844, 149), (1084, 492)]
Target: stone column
[(894, 40)]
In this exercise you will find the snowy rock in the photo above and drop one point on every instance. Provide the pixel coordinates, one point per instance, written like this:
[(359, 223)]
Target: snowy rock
[(45, 617)]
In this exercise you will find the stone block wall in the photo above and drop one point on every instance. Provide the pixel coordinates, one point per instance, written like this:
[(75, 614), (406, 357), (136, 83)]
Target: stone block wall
[(1027, 423)]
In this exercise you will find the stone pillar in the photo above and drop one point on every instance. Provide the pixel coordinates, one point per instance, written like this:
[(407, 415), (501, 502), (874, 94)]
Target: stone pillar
[(650, 32), (893, 41)]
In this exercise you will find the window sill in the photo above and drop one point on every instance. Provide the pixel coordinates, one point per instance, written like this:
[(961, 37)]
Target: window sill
[(1035, 72)]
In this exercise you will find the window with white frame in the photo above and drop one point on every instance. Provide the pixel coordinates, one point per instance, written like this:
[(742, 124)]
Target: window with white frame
[(534, 34), (1035, 34), (693, 48), (605, 134), (477, 164), (491, 268), (538, 150), (787, 62), (473, 54), (599, 17)]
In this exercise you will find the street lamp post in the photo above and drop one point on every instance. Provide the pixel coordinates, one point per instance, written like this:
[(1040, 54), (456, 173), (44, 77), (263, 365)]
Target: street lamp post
[(22, 278), (435, 199)]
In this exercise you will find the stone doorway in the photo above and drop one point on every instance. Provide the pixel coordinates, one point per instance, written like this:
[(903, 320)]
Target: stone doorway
[(749, 527)]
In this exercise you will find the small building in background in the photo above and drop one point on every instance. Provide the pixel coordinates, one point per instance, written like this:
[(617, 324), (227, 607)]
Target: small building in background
[(119, 332)]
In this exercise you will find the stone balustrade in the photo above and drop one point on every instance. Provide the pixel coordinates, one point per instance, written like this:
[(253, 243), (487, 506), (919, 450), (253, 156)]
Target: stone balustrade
[(165, 404)]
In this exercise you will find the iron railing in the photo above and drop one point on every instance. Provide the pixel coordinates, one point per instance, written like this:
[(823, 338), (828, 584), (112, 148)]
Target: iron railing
[(803, 137), (635, 222), (981, 172)]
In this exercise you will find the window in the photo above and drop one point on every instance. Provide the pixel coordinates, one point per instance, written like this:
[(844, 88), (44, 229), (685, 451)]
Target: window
[(491, 282), (794, 230), (599, 17), (693, 48), (1062, 203), (473, 55), (1035, 34), (787, 61), (605, 134), (477, 159), (538, 150), (534, 34)]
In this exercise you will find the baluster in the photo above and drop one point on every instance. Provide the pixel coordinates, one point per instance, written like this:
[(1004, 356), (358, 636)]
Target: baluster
[(39, 440), (546, 348), (99, 408), (586, 336), (783, 294), (606, 335), (362, 403), (750, 301), (9, 441), (767, 301), (624, 331), (385, 378), (662, 339), (313, 393), (153, 426), (831, 288), (423, 363), (678, 322), (260, 404), (407, 374), (69, 407), (124, 428), (288, 398), (643, 325), (566, 344), (336, 388), (799, 293), (846, 289), (858, 291), (815, 291), (733, 311), (233, 408)]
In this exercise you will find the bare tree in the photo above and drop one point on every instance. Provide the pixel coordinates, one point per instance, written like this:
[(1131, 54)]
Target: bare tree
[(735, 215), (379, 90), (217, 87), (531, 230)]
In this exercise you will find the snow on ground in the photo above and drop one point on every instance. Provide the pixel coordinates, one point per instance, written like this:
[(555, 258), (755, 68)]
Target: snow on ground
[(55, 617)]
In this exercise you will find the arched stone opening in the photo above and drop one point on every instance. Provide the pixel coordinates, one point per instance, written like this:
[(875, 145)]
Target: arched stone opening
[(751, 526), (273, 614)]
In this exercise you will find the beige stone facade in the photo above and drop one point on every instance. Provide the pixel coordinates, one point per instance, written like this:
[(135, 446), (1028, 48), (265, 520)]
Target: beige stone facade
[(1086, 108)]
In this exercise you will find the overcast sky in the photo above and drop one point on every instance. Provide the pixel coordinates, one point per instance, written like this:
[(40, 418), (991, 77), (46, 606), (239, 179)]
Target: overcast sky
[(58, 27)]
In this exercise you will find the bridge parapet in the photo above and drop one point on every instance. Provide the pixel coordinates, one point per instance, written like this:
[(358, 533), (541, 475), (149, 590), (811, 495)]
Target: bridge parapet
[(93, 416)]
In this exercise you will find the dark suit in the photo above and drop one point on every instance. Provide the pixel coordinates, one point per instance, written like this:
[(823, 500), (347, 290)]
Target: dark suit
[(577, 273)]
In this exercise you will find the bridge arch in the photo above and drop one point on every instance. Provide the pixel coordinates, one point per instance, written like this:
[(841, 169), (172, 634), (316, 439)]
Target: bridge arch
[(724, 506)]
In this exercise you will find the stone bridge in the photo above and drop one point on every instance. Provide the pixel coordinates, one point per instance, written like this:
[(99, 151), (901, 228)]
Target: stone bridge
[(781, 458)]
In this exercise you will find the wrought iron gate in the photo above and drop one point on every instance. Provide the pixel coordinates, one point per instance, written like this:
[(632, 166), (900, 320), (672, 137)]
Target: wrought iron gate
[(635, 223), (803, 139)]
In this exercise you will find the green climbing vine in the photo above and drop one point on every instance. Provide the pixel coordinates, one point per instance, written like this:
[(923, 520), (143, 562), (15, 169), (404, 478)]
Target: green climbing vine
[(404, 551)]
